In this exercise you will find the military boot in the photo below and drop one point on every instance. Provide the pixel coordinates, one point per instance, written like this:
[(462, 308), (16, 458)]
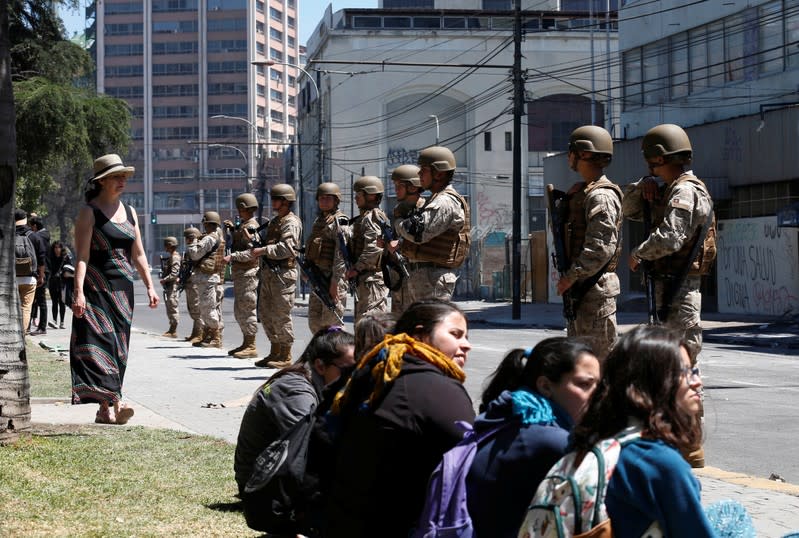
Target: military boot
[(196, 331), (283, 358), (238, 348), (215, 340), (248, 349), (172, 332), (204, 339), (273, 352)]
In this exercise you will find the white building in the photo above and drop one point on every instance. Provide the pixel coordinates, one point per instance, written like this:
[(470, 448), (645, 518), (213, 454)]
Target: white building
[(447, 78)]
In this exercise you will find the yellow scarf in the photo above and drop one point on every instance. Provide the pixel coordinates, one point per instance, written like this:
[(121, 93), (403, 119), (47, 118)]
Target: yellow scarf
[(387, 359)]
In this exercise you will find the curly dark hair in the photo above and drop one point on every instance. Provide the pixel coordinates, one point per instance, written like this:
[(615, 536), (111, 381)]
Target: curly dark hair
[(551, 358), (640, 379)]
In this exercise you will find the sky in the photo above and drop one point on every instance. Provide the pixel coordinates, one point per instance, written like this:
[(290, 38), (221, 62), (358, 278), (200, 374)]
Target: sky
[(311, 12)]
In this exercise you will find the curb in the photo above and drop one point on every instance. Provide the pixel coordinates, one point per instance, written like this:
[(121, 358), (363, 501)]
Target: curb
[(746, 480)]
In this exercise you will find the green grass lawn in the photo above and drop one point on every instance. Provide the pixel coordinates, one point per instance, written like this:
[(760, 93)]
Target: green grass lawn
[(48, 372)]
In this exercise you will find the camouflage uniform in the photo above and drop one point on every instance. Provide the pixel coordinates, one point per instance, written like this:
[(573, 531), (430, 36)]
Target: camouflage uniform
[(597, 209), (171, 291), (400, 299), (439, 249), (206, 276), (322, 250), (244, 273), (279, 279), (677, 217), (371, 292)]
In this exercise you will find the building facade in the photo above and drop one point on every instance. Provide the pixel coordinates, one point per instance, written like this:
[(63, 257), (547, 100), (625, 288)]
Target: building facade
[(391, 81), (207, 124)]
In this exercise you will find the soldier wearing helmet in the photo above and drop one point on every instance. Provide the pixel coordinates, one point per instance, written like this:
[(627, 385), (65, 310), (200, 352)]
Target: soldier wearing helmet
[(436, 238), (244, 274), (681, 216), (169, 281), (279, 276), (408, 187), (208, 256), (322, 250), (371, 291), (190, 235), (593, 242)]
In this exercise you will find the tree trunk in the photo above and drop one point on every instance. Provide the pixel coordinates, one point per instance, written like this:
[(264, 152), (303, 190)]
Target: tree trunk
[(15, 411)]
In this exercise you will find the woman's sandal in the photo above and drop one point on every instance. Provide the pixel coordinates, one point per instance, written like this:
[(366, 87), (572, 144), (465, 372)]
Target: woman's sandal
[(103, 416), (124, 414)]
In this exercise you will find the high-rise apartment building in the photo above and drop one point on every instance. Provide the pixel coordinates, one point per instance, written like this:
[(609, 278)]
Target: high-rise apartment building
[(207, 124)]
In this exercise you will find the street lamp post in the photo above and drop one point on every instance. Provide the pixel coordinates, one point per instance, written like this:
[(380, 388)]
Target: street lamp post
[(257, 136), (437, 132)]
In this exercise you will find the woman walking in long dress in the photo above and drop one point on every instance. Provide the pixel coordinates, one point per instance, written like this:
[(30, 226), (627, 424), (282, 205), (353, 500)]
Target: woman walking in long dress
[(108, 244)]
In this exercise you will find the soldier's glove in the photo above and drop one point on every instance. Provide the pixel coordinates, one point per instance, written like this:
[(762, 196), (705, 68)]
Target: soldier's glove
[(414, 225)]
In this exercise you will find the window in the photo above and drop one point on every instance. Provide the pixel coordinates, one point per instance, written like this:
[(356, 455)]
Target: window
[(487, 141), (497, 4), (508, 141), (715, 54), (428, 4), (276, 14), (276, 115), (259, 27), (274, 33), (276, 55), (632, 79), (227, 25), (734, 48), (275, 74), (261, 90), (678, 60), (697, 59), (259, 49), (292, 43), (292, 81), (275, 95), (290, 22), (770, 36), (275, 135), (656, 72), (292, 60), (792, 32), (396, 22), (427, 22), (259, 6)]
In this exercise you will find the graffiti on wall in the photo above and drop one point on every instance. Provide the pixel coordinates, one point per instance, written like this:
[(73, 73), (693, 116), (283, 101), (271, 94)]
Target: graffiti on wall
[(493, 215), (399, 156), (758, 269)]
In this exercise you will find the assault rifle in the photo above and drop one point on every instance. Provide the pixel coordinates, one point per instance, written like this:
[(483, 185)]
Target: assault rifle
[(392, 260), (320, 285), (558, 211), (646, 269), (186, 268), (164, 269), (348, 263)]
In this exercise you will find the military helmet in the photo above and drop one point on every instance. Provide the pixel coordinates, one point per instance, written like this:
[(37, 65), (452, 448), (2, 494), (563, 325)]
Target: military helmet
[(438, 158), (171, 241), (665, 139), (408, 173), (212, 217), (592, 139), (246, 201), (284, 191), (328, 189), (191, 232), (368, 184)]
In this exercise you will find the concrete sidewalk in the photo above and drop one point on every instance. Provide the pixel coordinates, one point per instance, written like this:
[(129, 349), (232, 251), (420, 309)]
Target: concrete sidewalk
[(173, 385)]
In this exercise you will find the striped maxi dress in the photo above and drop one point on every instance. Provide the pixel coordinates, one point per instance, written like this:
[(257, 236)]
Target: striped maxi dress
[(98, 350)]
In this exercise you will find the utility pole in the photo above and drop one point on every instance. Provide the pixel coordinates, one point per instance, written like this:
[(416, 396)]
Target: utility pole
[(518, 110)]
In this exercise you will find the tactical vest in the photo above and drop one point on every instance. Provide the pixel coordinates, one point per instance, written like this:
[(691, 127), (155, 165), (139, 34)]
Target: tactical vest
[(214, 263), (242, 241), (577, 224), (448, 249), (321, 246), (358, 239), (274, 234), (706, 255)]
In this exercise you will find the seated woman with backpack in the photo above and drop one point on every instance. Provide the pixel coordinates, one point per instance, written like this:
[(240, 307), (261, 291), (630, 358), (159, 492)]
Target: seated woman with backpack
[(534, 397), (395, 419)]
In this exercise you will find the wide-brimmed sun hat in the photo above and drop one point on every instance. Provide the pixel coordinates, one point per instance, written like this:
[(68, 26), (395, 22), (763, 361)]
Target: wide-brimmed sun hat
[(110, 164)]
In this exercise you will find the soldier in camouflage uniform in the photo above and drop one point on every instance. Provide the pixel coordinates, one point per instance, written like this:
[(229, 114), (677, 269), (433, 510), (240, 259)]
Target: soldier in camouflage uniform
[(408, 187), (190, 235), (371, 291), (244, 273), (208, 256), (680, 209), (322, 250), (436, 239), (594, 240), (279, 276), (169, 281)]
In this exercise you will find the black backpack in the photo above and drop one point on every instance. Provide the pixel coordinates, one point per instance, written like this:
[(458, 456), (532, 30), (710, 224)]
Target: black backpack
[(279, 493), (25, 254)]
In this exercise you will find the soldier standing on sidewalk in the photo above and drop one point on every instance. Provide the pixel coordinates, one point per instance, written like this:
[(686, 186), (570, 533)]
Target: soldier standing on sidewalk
[(190, 235), (169, 281), (279, 276), (244, 273), (371, 291), (208, 256), (594, 240), (408, 187), (678, 248), (322, 250), (436, 239)]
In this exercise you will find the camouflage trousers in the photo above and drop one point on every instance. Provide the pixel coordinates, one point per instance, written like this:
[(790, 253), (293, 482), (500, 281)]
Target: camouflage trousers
[(428, 283), (245, 298), (595, 321), (193, 301), (171, 302), (210, 300), (275, 304), (372, 295), (683, 316), (320, 316)]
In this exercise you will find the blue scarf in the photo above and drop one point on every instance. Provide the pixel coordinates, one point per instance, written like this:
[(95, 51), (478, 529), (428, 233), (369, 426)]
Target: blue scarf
[(532, 408)]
